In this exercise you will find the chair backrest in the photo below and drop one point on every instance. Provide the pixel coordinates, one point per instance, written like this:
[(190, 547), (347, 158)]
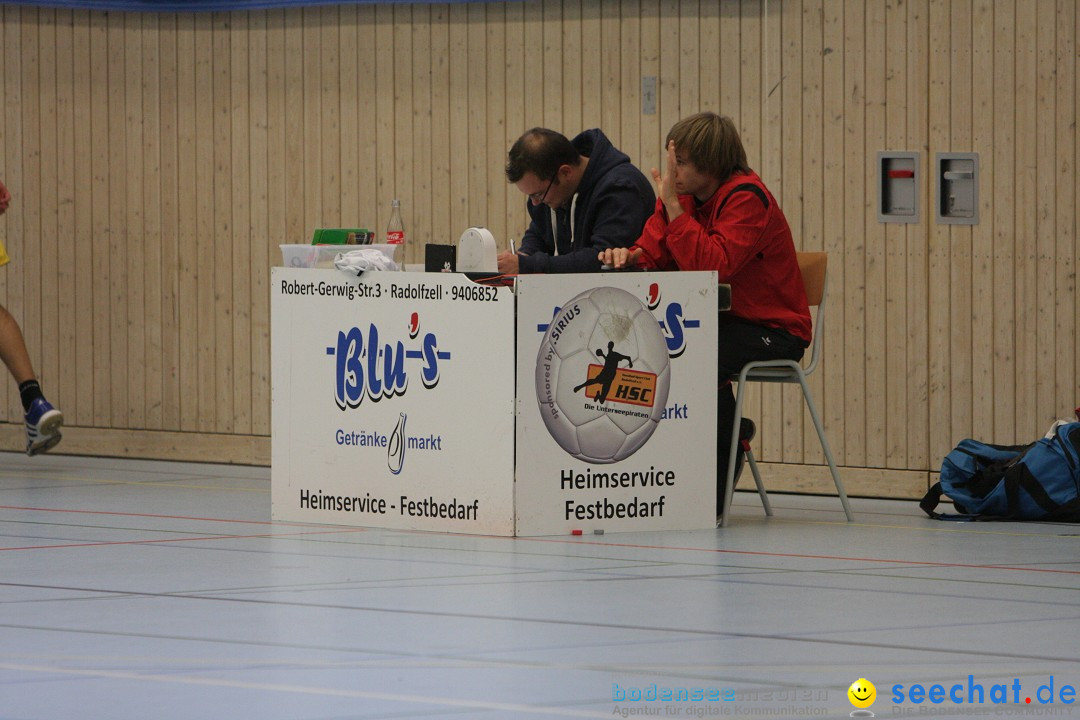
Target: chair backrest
[(814, 266)]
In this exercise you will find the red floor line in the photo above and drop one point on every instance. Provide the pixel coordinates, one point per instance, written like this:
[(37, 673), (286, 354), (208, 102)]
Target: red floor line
[(183, 539), (168, 517)]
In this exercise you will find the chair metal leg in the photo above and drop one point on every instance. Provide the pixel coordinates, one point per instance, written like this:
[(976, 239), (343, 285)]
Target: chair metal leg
[(760, 485), (729, 488), (825, 446)]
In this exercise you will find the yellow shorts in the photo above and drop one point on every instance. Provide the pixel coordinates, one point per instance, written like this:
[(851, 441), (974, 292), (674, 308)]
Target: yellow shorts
[(4, 259)]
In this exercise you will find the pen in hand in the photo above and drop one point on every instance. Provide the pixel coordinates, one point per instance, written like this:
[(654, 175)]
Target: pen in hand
[(513, 247)]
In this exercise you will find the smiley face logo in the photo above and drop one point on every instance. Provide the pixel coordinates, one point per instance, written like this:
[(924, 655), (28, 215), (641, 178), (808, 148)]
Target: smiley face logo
[(862, 693)]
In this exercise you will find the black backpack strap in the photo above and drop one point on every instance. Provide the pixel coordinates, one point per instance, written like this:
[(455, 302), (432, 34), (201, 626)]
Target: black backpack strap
[(751, 187), (930, 502)]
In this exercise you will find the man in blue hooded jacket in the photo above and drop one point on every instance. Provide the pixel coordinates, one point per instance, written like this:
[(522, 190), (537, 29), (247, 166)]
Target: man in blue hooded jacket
[(584, 196)]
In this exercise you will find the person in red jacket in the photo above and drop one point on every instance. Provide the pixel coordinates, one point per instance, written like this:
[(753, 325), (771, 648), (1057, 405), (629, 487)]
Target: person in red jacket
[(714, 213)]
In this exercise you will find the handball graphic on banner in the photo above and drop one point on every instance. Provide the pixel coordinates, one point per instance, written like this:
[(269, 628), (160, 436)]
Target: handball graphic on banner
[(602, 375)]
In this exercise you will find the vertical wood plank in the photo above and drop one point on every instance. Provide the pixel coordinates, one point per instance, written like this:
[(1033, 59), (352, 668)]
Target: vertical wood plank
[(66, 225), (893, 284), (170, 223), (691, 57), (100, 200), (496, 188), (1025, 238), (571, 59), (939, 312), (918, 438), (858, 194), (982, 291), (806, 445), (118, 311), (1004, 230), (518, 87), (631, 73), (651, 136), (153, 238), (27, 249), (133, 296), (369, 109), (476, 162), (460, 216), (441, 61), (784, 424), (423, 229), (247, 249), (50, 360), (834, 218), (960, 267), (876, 238), (1067, 300), (760, 125), (264, 251), (551, 65), (1046, 400)]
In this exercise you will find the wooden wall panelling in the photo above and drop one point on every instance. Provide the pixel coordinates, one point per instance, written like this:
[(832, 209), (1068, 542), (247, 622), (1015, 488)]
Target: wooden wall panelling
[(551, 66), (1003, 206), (246, 245), (667, 81), (263, 251), (65, 382), (402, 109), (711, 54), (832, 374), (117, 271), (441, 60), (850, 448), (206, 227), (151, 239), (890, 277), (47, 362), (573, 69), (32, 194), (460, 212), (805, 445), (631, 72), (875, 242), (693, 62), (99, 311), (916, 289), (518, 79), (498, 78), (1024, 237), (781, 410), (982, 243), (938, 252), (1066, 354), (133, 296), (367, 168), (960, 304), (612, 95), (1045, 160), (421, 227), (757, 112), (226, 195), (650, 138), (79, 408), (475, 89)]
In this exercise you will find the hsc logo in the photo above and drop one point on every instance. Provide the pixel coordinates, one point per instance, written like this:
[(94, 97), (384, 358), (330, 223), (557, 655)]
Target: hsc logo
[(367, 365)]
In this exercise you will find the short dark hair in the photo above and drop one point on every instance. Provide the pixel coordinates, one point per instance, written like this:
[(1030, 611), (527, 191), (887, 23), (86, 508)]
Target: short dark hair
[(712, 143), (541, 152)]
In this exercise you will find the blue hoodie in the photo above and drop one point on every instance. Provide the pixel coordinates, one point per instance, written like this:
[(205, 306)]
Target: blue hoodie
[(613, 201)]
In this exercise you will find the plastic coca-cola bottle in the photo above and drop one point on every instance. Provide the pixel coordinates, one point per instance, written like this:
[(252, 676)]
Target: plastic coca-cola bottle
[(395, 233)]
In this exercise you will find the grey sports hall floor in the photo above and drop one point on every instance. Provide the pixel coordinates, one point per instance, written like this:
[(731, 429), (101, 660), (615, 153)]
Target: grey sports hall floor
[(159, 590)]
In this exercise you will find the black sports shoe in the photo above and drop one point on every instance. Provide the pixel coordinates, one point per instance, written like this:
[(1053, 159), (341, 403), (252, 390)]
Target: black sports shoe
[(747, 431)]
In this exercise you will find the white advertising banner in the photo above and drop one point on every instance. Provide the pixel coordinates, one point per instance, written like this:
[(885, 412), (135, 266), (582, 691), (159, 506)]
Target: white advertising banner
[(393, 401), (616, 427)]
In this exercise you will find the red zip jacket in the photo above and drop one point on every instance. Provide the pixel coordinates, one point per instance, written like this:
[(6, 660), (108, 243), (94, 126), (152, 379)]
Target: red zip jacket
[(742, 234)]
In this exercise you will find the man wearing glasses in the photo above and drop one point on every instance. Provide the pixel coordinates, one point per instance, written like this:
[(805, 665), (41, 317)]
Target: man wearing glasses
[(584, 196)]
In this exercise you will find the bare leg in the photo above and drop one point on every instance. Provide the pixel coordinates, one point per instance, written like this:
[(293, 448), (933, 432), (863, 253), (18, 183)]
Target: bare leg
[(13, 348)]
